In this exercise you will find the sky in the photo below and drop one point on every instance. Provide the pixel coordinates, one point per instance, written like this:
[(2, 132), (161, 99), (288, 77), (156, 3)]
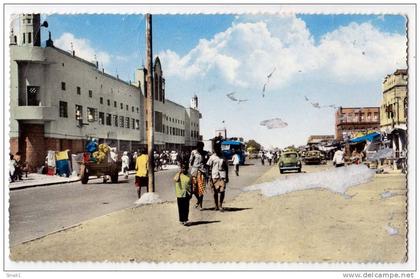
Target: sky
[(329, 60)]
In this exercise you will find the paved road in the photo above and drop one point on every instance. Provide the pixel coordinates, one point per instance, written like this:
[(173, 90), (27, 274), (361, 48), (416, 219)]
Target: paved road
[(35, 212)]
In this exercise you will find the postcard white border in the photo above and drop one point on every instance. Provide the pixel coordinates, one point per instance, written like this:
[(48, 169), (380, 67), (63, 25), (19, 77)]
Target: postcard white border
[(155, 8)]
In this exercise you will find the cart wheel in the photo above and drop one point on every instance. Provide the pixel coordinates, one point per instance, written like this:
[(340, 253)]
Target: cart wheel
[(85, 178), (114, 178)]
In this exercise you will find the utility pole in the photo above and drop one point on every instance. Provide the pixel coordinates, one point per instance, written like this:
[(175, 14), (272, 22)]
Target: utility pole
[(149, 103)]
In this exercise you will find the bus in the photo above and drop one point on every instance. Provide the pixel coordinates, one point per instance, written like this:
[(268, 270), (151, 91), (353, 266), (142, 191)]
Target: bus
[(229, 147)]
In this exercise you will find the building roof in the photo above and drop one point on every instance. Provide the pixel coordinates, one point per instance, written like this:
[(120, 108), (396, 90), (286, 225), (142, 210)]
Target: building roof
[(157, 61), (358, 108), (93, 65), (319, 138)]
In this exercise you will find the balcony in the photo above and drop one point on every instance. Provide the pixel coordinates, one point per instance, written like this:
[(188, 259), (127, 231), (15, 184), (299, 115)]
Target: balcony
[(28, 54), (35, 113)]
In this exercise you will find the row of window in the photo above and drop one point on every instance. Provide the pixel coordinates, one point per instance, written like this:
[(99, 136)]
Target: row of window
[(391, 109), (194, 134), (108, 102), (78, 89), (101, 99), (103, 119), (174, 120), (173, 131), (29, 38), (362, 117)]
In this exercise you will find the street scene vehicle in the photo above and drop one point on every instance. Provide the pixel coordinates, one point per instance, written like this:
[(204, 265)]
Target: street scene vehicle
[(230, 147), (104, 169), (289, 160), (313, 157)]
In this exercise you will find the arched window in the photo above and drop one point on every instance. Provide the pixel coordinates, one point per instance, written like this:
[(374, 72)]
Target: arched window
[(160, 89), (163, 90)]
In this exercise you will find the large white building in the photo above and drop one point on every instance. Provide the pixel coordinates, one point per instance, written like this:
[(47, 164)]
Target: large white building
[(58, 101)]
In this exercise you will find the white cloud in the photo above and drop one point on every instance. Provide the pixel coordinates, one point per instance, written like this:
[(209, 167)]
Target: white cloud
[(362, 51), (352, 60), (82, 48), (247, 51)]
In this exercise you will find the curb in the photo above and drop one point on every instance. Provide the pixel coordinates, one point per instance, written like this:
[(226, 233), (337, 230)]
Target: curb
[(44, 184), (20, 187)]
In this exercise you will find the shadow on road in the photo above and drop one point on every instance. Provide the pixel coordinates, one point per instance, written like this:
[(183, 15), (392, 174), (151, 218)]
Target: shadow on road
[(122, 181), (228, 209), (232, 209), (196, 223)]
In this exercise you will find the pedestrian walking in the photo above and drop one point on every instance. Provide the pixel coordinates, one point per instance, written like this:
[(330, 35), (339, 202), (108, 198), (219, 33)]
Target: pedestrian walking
[(19, 166), (183, 193), (156, 160), (12, 168), (125, 164), (236, 160), (262, 158), (197, 161), (133, 161), (183, 157), (269, 158), (338, 159), (219, 176), (174, 156), (276, 157), (113, 154), (142, 178)]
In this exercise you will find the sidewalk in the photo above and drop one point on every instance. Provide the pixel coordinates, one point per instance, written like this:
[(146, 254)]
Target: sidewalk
[(36, 179)]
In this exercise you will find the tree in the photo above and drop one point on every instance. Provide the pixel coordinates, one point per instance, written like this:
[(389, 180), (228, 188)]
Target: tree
[(252, 143)]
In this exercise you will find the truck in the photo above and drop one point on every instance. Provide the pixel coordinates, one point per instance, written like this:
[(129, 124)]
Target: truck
[(230, 147)]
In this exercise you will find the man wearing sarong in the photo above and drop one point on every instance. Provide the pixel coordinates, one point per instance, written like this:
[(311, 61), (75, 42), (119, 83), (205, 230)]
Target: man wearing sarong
[(219, 176), (198, 160)]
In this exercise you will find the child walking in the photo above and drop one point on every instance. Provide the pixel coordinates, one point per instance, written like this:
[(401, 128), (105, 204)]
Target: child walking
[(183, 193)]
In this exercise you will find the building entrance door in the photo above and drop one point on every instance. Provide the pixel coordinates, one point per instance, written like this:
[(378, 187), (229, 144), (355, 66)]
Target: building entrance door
[(31, 144)]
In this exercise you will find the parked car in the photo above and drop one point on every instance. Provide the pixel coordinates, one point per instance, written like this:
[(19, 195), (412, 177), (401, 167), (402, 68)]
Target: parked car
[(289, 160), (313, 157)]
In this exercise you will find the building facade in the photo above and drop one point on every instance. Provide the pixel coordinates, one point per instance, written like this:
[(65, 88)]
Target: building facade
[(351, 121), (320, 139), (394, 109), (58, 101)]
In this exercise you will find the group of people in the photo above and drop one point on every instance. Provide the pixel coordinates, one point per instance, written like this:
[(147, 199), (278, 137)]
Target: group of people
[(339, 158), (164, 158), (161, 159), (205, 170), (271, 157), (197, 170), (16, 167)]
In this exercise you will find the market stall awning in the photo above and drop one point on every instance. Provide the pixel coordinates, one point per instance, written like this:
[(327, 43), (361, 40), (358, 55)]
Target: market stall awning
[(369, 137)]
